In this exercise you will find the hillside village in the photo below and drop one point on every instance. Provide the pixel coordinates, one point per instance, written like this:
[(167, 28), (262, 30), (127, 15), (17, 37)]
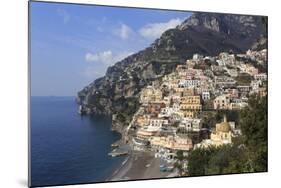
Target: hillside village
[(172, 113)]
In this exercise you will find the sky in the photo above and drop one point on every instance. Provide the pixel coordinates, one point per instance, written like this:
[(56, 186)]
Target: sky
[(72, 45)]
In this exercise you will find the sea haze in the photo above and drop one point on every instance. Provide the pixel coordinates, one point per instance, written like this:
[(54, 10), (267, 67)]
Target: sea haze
[(67, 148)]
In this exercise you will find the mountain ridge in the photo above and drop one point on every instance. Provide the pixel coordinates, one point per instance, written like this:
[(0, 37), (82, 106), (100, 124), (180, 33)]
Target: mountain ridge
[(203, 33)]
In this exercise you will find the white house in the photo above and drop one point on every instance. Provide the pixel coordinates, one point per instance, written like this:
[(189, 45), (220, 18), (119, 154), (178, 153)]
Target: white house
[(158, 122), (191, 124), (189, 83), (205, 95), (261, 76)]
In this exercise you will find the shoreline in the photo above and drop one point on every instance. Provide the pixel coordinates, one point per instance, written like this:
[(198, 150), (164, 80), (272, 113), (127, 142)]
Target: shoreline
[(139, 165)]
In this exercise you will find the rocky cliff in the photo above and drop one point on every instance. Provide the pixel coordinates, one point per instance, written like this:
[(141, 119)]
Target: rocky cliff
[(203, 33)]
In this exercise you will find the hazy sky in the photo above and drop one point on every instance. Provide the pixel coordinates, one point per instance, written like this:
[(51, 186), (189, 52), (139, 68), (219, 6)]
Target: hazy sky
[(72, 45)]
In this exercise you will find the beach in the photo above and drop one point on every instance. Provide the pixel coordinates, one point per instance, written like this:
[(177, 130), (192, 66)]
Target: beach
[(140, 165)]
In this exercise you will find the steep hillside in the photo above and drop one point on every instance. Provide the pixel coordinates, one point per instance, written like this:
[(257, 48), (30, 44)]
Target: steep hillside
[(204, 33)]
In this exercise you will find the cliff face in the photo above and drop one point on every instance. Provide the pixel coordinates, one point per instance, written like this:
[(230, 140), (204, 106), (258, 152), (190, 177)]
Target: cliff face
[(203, 33)]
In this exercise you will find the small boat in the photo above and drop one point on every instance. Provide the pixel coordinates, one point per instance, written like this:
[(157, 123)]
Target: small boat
[(81, 110), (116, 154), (114, 145)]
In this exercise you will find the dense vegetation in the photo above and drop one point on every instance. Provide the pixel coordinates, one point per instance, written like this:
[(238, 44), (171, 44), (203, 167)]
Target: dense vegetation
[(132, 105), (248, 153), (244, 79)]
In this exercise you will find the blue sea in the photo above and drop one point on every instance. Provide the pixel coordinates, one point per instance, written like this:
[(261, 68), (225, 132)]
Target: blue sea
[(67, 148)]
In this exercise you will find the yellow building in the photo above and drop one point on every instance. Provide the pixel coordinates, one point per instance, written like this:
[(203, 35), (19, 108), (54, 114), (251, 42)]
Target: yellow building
[(187, 113), (184, 91), (191, 103), (221, 102), (188, 92), (262, 91), (142, 120), (150, 94), (195, 99), (171, 142), (222, 134), (147, 132), (195, 107)]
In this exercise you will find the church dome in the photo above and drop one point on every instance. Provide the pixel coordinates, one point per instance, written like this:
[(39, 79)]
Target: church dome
[(223, 127)]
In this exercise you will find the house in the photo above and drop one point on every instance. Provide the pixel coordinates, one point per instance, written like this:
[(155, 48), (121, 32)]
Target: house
[(189, 83), (186, 113), (237, 104), (228, 59), (175, 117), (142, 120), (171, 142), (232, 92), (184, 91), (197, 57), (261, 76), (223, 81), (248, 68), (259, 56), (216, 68), (158, 122), (262, 91), (150, 94), (255, 84), (244, 89), (154, 108), (195, 99), (147, 132), (166, 112), (191, 124), (191, 103), (251, 70), (205, 95), (221, 102), (195, 107)]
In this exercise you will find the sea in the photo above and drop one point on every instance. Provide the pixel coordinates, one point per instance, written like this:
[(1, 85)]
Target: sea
[(67, 148)]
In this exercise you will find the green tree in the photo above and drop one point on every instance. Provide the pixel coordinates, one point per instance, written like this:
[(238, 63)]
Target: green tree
[(254, 128), (244, 79), (198, 161)]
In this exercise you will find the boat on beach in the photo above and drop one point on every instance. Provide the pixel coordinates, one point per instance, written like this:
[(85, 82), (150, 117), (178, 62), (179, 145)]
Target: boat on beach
[(120, 151)]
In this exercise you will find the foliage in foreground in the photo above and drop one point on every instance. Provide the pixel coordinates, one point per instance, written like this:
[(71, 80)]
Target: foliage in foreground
[(248, 153)]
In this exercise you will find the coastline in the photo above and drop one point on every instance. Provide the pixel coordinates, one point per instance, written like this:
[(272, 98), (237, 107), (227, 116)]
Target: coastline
[(139, 165)]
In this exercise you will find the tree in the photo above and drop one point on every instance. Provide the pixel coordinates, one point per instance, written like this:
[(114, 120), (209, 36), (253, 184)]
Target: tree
[(198, 161), (244, 79), (178, 165), (254, 128)]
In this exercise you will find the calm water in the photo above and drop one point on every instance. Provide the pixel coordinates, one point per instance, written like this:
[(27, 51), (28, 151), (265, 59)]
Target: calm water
[(67, 148)]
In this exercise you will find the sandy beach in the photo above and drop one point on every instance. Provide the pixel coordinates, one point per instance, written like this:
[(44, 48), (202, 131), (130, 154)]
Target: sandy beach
[(140, 165)]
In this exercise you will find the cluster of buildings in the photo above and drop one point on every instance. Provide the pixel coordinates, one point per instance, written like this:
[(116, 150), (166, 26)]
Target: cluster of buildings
[(170, 112)]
